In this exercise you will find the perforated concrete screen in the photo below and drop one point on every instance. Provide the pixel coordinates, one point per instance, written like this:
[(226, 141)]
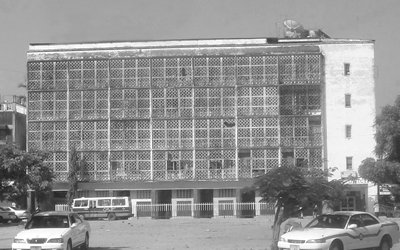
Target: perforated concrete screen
[(177, 118)]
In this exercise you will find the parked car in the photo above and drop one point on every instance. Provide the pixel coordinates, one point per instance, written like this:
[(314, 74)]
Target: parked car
[(20, 213), (53, 230), (7, 215), (342, 230)]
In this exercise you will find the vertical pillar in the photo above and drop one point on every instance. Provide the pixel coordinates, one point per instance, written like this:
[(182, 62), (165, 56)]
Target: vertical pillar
[(196, 201), (257, 200), (174, 202), (215, 203), (238, 206), (154, 201)]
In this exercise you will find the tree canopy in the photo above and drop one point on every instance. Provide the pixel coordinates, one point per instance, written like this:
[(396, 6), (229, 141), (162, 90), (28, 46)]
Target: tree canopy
[(292, 187), (385, 170), (388, 132), (21, 171)]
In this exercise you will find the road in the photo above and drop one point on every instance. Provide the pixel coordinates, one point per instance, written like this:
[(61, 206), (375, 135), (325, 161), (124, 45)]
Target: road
[(178, 233)]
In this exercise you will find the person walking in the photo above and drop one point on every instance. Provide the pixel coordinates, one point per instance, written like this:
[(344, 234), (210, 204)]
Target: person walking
[(315, 211), (376, 209)]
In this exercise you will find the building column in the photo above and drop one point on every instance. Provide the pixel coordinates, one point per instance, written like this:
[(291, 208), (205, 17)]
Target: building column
[(257, 200), (154, 201), (237, 211), (196, 200), (215, 203), (174, 203)]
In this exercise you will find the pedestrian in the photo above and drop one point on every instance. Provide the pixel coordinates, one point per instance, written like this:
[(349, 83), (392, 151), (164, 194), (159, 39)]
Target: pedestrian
[(37, 210), (315, 211), (300, 211), (376, 209)]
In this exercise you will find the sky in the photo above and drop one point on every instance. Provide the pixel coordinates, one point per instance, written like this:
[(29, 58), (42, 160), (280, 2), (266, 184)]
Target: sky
[(23, 22)]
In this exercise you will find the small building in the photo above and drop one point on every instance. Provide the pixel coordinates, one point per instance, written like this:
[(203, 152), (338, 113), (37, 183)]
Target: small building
[(13, 121)]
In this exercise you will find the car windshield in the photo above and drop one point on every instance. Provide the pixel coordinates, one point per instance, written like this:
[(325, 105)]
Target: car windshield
[(54, 221), (329, 221)]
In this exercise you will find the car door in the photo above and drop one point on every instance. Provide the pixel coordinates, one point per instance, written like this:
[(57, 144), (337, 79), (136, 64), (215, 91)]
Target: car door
[(75, 235), (372, 227), (81, 228), (358, 235)]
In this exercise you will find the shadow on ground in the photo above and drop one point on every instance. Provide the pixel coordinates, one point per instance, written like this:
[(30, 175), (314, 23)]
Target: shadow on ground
[(12, 224), (91, 248), (105, 248)]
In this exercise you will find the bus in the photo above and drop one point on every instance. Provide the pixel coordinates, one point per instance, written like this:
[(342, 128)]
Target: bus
[(102, 207)]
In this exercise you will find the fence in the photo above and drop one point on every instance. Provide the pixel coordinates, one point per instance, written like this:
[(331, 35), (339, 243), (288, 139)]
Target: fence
[(200, 210), (62, 207), (208, 210)]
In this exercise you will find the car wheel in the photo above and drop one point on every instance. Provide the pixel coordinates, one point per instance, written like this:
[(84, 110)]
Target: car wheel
[(111, 216), (69, 245), (385, 245), (335, 246), (85, 245)]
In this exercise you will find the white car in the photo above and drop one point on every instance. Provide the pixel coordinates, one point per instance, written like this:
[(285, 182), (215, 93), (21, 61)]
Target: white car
[(53, 230), (342, 230), (20, 213), (7, 215)]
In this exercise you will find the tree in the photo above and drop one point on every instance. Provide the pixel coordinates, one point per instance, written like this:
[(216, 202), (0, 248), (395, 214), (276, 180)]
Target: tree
[(292, 187), (385, 170), (76, 173), (21, 171), (387, 136)]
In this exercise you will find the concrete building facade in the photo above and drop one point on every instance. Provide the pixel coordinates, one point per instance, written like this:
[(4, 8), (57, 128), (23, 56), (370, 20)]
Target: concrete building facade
[(196, 120)]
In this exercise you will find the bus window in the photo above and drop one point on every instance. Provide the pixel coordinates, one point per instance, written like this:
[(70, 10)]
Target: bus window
[(118, 202), (104, 202), (81, 203)]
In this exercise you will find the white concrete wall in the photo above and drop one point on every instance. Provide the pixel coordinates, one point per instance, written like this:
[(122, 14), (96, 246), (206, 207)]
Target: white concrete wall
[(361, 116)]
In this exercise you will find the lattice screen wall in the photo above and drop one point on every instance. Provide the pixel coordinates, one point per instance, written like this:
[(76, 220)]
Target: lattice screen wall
[(177, 118)]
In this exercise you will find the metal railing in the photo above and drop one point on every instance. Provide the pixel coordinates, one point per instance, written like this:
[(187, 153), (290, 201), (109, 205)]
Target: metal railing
[(207, 210), (198, 210)]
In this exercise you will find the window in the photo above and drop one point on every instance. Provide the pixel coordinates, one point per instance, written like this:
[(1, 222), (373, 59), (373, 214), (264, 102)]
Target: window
[(347, 98), (349, 163), (356, 219), (104, 202), (118, 202), (368, 220), (347, 69), (144, 194), (83, 193), (348, 131), (102, 194), (184, 193), (226, 193)]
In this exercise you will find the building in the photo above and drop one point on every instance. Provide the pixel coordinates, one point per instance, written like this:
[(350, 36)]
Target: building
[(193, 121), (13, 121)]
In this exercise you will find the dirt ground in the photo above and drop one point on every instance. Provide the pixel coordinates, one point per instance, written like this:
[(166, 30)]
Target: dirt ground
[(168, 234)]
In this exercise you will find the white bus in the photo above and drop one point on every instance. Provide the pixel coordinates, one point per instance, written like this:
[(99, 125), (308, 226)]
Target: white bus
[(103, 207)]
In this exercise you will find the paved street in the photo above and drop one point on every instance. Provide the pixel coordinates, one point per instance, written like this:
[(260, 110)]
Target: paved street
[(187, 233)]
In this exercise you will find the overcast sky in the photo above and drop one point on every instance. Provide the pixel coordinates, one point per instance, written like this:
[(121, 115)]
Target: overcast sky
[(64, 21)]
